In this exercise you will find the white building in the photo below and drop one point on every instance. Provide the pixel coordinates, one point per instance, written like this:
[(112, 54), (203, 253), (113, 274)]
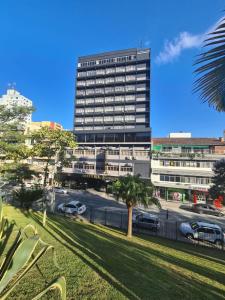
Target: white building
[(14, 98), (182, 166)]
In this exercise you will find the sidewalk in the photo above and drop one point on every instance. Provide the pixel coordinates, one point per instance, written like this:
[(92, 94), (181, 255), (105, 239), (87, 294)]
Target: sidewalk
[(165, 204)]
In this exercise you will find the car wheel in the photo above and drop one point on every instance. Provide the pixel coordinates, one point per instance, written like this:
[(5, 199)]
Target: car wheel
[(189, 236), (221, 215), (218, 242), (200, 212)]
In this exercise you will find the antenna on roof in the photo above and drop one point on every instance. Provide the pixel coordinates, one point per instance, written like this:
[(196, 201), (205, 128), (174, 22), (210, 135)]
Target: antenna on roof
[(12, 85), (141, 43)]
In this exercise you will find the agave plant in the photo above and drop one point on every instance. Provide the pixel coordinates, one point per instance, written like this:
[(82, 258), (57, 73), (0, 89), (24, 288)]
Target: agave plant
[(21, 257), (211, 83)]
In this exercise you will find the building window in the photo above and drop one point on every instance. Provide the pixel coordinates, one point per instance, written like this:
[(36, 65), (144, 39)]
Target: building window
[(110, 71), (129, 118), (99, 137), (99, 91), (109, 109), (108, 119), (119, 108), (113, 152), (130, 88), (109, 80), (127, 169), (109, 90), (100, 81), (119, 137), (130, 68), (89, 110), (90, 82), (119, 99), (119, 89), (100, 72), (130, 98), (99, 109), (120, 79), (109, 99), (118, 118), (99, 100), (113, 168), (120, 69), (89, 91)]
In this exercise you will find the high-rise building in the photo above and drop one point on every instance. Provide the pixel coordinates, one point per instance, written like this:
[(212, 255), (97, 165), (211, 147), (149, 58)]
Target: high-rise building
[(112, 114), (14, 98)]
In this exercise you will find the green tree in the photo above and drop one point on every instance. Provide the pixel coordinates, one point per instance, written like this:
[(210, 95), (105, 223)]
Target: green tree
[(50, 145), (211, 83), (27, 196), (12, 141), (132, 191), (17, 172), (218, 180)]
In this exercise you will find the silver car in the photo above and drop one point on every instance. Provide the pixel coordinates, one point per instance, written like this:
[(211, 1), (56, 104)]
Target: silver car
[(203, 231)]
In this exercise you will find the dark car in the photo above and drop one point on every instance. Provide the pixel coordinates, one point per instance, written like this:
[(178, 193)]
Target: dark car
[(207, 209), (146, 221)]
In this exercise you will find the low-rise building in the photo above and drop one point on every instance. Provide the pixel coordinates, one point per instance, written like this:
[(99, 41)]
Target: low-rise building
[(33, 126), (182, 167)]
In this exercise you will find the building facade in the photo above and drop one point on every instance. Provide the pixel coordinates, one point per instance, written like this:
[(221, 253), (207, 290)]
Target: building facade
[(112, 122), (182, 167), (33, 126), (14, 98)]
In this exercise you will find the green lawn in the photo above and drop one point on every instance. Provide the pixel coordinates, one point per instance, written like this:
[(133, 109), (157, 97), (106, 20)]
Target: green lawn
[(100, 263)]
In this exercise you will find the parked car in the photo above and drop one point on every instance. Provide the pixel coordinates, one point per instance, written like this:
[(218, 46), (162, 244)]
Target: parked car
[(73, 207), (60, 190), (203, 231), (203, 208), (146, 221)]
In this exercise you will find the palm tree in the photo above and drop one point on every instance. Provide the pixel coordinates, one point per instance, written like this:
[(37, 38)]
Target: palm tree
[(132, 191), (211, 83)]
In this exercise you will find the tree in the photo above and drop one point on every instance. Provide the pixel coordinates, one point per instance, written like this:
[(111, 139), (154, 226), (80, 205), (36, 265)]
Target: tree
[(132, 191), (17, 172), (12, 142), (50, 145), (27, 196), (211, 83), (218, 180)]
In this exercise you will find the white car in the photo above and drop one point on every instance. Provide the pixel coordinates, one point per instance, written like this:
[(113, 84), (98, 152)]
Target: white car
[(73, 207), (60, 190)]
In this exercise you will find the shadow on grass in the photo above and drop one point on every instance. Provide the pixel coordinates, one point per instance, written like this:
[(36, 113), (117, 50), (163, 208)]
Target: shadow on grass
[(137, 271)]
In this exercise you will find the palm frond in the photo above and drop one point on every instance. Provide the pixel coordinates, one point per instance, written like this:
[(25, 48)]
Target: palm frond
[(211, 81)]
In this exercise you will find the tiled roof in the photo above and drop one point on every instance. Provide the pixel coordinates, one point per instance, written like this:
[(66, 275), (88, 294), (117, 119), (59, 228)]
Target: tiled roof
[(188, 141)]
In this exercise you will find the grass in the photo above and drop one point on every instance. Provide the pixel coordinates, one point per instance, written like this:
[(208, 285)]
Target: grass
[(101, 263)]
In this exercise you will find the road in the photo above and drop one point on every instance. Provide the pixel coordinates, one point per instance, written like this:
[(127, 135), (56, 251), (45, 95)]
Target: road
[(101, 201)]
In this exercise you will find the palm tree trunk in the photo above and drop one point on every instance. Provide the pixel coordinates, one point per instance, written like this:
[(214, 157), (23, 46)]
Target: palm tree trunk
[(129, 228)]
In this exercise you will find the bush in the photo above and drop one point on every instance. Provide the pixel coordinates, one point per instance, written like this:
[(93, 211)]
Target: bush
[(27, 196)]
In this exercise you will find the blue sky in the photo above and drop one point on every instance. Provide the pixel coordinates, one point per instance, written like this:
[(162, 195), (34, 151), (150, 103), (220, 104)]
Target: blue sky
[(41, 40)]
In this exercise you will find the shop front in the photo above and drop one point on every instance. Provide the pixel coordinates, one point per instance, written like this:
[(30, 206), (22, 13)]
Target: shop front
[(199, 196), (172, 194)]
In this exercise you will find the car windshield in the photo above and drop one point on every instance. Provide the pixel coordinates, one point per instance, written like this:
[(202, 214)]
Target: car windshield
[(79, 204), (194, 225)]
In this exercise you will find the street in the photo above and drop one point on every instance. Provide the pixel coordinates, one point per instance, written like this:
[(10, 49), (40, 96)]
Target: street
[(102, 201)]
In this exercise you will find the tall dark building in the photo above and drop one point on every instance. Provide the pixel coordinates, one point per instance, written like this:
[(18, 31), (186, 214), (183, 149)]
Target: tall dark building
[(112, 112)]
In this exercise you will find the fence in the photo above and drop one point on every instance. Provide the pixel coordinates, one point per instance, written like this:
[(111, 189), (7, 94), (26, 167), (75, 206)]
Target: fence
[(167, 229), (118, 219)]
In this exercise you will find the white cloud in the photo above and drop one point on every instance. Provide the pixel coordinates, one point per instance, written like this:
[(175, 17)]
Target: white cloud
[(185, 40)]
